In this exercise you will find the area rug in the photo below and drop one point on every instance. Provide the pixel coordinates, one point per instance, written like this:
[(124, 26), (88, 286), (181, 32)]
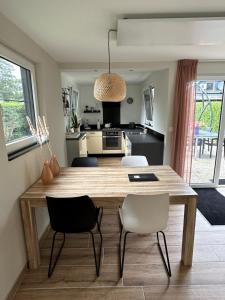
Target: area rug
[(212, 205)]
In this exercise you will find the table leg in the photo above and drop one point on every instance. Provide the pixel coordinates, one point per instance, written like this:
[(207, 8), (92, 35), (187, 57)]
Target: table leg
[(189, 231), (31, 236)]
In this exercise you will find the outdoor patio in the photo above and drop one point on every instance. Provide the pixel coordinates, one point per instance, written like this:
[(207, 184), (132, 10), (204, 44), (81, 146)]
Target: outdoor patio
[(203, 167)]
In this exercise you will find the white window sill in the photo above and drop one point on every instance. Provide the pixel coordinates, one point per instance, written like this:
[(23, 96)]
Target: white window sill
[(21, 147), (20, 143)]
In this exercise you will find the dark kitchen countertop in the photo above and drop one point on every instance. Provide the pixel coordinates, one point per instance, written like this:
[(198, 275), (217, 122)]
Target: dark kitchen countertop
[(123, 127), (150, 138), (143, 138), (74, 137), (92, 128)]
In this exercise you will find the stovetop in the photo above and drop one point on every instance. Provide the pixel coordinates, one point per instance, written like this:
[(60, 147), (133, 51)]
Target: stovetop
[(111, 129)]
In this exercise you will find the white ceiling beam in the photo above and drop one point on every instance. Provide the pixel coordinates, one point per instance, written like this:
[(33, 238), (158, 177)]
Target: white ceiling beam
[(171, 31)]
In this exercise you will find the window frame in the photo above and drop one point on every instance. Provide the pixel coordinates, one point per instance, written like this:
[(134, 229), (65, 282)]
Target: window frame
[(11, 56)]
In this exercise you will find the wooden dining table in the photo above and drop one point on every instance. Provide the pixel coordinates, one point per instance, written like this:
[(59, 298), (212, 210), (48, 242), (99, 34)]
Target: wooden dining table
[(108, 186)]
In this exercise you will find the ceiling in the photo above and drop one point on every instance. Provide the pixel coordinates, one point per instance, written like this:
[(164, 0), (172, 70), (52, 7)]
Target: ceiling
[(76, 30), (89, 76)]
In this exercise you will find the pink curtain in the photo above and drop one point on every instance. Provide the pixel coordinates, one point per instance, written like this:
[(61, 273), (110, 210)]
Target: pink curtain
[(183, 118)]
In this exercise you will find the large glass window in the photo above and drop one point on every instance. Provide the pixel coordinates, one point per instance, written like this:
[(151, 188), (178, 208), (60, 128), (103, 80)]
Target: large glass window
[(16, 102), (208, 108)]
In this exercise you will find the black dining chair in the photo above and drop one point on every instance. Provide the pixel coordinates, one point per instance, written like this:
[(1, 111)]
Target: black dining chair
[(74, 215), (84, 162)]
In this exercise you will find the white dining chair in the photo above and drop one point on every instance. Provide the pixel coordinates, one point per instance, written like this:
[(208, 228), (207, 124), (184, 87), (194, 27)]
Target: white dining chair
[(134, 161), (144, 214)]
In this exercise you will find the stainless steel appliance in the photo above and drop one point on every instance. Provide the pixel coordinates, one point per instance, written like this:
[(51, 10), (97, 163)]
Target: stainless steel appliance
[(112, 139)]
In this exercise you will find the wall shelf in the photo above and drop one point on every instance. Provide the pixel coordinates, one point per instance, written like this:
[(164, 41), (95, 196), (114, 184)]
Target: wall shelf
[(92, 111)]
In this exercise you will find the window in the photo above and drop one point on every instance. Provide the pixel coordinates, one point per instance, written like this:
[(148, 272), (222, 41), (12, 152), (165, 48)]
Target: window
[(209, 85), (148, 100), (17, 100)]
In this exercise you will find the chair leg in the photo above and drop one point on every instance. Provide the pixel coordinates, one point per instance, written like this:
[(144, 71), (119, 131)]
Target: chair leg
[(122, 257), (211, 148), (50, 267), (167, 265), (97, 262), (93, 244), (100, 250), (101, 214), (203, 146), (200, 148)]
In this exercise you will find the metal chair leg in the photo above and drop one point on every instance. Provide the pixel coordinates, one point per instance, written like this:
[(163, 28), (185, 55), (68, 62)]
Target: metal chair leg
[(211, 148), (100, 250), (50, 267), (101, 214), (93, 244), (97, 262), (124, 249), (167, 265)]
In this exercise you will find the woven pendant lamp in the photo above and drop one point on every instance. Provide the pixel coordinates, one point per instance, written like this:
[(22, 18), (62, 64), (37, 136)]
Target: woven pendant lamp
[(110, 87)]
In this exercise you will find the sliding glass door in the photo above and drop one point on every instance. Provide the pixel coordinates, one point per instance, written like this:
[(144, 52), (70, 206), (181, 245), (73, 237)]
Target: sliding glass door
[(208, 140)]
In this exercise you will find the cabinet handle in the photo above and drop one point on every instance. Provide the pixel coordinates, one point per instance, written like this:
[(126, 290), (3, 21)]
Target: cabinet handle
[(112, 136)]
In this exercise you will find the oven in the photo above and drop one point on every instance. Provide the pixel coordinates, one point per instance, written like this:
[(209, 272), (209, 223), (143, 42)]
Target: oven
[(112, 139)]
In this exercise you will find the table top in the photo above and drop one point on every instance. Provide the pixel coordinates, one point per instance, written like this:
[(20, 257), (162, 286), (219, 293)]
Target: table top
[(109, 182), (206, 134)]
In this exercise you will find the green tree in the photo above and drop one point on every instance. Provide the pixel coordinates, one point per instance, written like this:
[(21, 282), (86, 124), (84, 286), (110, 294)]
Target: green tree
[(10, 86)]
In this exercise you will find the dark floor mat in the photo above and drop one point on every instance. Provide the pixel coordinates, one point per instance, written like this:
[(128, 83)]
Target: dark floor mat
[(212, 205)]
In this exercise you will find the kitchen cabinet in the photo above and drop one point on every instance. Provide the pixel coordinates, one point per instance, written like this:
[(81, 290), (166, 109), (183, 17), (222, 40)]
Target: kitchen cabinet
[(147, 145), (76, 147), (123, 142), (83, 146), (127, 146), (94, 142)]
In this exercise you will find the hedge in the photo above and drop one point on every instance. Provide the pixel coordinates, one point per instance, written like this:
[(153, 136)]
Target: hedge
[(14, 120), (205, 119)]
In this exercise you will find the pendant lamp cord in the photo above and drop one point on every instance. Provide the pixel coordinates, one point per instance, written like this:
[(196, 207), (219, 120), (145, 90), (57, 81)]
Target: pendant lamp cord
[(110, 30)]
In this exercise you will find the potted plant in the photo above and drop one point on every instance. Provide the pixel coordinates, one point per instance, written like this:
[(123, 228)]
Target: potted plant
[(74, 122)]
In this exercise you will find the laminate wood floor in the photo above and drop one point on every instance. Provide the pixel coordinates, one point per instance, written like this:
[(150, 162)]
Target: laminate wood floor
[(144, 274)]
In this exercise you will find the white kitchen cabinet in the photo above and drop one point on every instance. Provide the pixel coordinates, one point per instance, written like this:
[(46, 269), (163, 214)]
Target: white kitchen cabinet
[(127, 146), (83, 146), (76, 147), (123, 142), (94, 142)]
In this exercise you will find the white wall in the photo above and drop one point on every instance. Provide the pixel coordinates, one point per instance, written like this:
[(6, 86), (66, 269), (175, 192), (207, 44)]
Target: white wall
[(131, 112), (16, 176), (86, 97), (128, 112), (159, 80), (162, 81), (68, 81)]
